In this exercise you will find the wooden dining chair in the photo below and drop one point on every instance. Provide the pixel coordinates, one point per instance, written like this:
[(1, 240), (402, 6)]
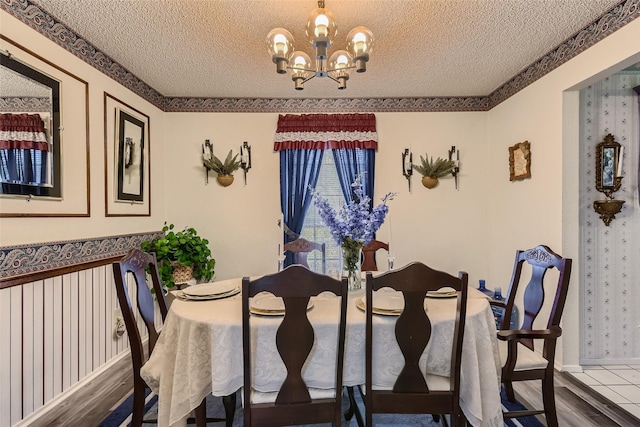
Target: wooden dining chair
[(520, 360), (134, 265), (302, 247), (295, 402), (414, 391), (369, 254)]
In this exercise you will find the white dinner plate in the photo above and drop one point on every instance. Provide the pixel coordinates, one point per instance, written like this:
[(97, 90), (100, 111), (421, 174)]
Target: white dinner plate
[(362, 306), (445, 292), (182, 295), (215, 288), (388, 301), (269, 305)]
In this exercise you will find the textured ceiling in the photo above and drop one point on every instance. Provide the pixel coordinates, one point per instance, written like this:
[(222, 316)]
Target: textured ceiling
[(423, 48)]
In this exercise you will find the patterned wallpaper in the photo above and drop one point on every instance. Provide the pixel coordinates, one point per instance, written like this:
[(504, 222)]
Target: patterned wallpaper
[(610, 273)]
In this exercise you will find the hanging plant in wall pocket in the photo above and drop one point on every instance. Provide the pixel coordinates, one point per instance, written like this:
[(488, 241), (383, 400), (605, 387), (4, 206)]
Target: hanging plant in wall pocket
[(431, 170), (223, 169), (609, 155)]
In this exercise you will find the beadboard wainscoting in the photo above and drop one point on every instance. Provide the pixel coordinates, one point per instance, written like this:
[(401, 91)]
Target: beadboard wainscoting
[(60, 329)]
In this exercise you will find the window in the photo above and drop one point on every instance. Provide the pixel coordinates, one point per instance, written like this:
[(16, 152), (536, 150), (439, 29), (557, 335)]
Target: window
[(341, 146), (313, 227)]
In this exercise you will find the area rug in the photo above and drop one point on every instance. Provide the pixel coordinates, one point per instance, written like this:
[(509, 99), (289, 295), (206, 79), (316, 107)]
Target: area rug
[(121, 416)]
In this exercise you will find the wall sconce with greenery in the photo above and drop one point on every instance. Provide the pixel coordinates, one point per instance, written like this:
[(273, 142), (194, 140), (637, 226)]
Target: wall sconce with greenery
[(223, 169), (431, 170)]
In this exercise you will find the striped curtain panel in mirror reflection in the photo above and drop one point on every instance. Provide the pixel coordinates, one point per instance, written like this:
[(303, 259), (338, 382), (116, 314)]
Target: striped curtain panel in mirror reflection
[(301, 140), (23, 149)]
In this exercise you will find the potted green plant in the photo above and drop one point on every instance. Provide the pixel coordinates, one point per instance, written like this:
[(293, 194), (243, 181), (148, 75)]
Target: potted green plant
[(223, 169), (175, 250), (431, 169)]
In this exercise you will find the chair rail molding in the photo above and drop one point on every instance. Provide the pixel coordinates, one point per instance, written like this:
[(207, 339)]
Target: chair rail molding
[(19, 264)]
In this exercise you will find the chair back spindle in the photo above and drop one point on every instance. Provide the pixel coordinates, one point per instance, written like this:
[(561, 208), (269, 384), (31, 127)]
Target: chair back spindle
[(301, 248)]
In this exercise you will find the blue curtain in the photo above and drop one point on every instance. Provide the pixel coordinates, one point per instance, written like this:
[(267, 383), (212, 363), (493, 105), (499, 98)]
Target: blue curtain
[(352, 162), (21, 166), (299, 170)]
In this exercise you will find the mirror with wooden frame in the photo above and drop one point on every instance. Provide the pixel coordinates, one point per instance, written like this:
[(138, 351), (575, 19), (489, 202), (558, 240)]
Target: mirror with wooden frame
[(608, 156)]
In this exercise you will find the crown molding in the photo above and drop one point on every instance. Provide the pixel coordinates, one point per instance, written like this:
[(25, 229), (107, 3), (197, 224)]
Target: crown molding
[(24, 104), (325, 105), (58, 32), (49, 26), (617, 17)]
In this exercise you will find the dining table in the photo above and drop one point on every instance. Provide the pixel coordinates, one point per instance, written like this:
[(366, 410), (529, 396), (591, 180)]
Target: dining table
[(200, 352)]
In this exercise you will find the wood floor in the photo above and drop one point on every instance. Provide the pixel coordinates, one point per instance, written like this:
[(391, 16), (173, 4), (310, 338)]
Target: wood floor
[(577, 405)]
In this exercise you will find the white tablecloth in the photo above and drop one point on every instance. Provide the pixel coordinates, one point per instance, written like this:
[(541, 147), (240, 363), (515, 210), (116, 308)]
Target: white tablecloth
[(200, 352)]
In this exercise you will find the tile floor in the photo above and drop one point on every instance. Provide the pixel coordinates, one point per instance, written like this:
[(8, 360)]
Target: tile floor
[(618, 383)]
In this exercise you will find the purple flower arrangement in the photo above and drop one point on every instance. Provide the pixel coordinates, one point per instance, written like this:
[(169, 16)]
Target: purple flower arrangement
[(353, 221), (353, 226)]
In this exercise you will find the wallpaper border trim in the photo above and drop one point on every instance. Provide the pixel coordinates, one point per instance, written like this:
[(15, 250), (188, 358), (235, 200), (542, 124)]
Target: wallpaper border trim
[(52, 28), (24, 260)]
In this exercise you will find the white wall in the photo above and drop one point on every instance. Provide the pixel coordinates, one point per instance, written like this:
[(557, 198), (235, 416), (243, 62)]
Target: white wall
[(544, 209), (441, 227)]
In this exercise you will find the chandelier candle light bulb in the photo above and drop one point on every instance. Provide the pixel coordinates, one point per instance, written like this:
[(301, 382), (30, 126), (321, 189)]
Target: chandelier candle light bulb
[(620, 155)]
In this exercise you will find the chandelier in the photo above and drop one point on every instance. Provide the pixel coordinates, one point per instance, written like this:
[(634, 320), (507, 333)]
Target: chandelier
[(321, 29)]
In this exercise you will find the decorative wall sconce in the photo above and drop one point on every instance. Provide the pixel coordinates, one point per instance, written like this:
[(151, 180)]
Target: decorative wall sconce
[(407, 165), (609, 155), (245, 159), (431, 170), (207, 155), (456, 168)]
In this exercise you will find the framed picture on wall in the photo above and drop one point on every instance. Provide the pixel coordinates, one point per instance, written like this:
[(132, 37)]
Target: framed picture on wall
[(130, 158), (520, 161), (127, 160)]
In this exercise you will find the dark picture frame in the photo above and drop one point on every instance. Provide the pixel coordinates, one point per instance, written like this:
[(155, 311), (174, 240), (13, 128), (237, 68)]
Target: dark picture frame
[(131, 149), (127, 159)]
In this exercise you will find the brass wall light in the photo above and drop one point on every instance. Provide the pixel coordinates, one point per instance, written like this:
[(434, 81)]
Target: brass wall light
[(609, 154)]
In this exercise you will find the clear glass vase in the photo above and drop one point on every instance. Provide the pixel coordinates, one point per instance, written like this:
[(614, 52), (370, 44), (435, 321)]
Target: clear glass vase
[(351, 259)]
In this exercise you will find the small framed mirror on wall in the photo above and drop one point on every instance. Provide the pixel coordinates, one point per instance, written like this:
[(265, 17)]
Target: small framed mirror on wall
[(608, 178), (608, 166)]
